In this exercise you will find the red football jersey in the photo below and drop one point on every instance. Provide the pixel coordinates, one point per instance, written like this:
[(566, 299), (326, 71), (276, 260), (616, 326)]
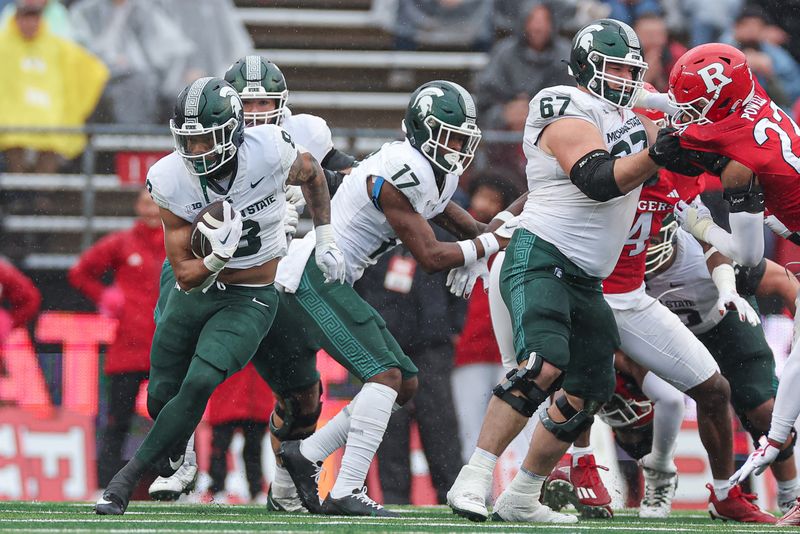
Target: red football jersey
[(767, 141), (655, 202)]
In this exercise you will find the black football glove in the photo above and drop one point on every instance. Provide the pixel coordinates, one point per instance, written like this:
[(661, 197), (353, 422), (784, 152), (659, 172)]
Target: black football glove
[(667, 152)]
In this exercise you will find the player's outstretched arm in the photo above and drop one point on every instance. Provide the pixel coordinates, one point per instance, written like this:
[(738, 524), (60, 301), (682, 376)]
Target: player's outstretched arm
[(307, 173), (458, 222), (190, 272), (417, 235), (580, 150)]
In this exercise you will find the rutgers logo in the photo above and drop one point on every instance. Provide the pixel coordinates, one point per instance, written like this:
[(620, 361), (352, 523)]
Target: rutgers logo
[(713, 77)]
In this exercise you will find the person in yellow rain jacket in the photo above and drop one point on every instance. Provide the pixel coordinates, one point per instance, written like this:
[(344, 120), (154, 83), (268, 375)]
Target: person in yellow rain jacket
[(47, 81)]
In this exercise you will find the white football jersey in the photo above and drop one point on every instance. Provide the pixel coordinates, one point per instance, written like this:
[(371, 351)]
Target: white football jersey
[(264, 159), (310, 132), (590, 233), (361, 229), (686, 287)]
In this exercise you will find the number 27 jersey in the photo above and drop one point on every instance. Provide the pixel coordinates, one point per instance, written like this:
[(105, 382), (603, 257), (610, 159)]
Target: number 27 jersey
[(766, 140)]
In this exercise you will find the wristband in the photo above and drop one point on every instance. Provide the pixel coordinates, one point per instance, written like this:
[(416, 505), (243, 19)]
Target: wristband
[(214, 263), (710, 252), (324, 234), (490, 244), (504, 216), (724, 277), (469, 250)]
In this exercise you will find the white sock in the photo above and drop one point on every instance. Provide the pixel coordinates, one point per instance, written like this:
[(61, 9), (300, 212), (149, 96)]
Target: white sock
[(333, 435), (283, 486), (577, 452), (483, 460), (528, 483), (787, 487), (368, 423), (787, 402), (667, 420), (190, 457), (721, 489)]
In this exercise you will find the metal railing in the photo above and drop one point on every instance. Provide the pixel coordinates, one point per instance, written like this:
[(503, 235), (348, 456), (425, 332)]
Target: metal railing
[(133, 138)]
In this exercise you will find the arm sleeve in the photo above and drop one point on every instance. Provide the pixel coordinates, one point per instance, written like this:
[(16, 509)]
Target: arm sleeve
[(745, 243), (22, 295), (96, 261)]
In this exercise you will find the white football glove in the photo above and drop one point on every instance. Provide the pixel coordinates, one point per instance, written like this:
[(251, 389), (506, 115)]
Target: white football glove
[(757, 462), (508, 228), (743, 308), (225, 239), (329, 258), (294, 195), (694, 218), (290, 220), (461, 280)]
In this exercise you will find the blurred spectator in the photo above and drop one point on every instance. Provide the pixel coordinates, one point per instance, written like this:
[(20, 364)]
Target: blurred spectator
[(629, 10), (134, 258), (55, 16), (477, 359), (47, 81), (709, 19), (141, 46), (19, 298), (775, 68), (214, 51), (785, 28), (424, 317), (243, 401), (466, 23), (660, 51), (519, 67)]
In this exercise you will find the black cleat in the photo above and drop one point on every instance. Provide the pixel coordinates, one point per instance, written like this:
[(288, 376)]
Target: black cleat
[(304, 473), (110, 504), (357, 503)]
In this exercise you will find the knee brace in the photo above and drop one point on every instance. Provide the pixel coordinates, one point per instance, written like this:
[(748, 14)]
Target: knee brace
[(576, 421), (788, 452), (522, 380), (294, 421)]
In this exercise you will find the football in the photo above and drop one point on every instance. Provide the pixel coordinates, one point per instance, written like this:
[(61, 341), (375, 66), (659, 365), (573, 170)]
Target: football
[(212, 215)]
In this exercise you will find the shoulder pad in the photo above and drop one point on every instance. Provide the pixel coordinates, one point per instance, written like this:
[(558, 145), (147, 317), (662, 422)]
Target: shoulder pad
[(554, 103), (409, 172), (162, 178)]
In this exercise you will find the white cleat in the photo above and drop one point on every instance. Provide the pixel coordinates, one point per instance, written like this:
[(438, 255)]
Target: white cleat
[(171, 488), (467, 496), (659, 490), (521, 507), (787, 500)]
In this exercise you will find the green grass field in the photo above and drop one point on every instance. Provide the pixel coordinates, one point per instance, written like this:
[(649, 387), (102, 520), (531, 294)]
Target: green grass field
[(160, 517)]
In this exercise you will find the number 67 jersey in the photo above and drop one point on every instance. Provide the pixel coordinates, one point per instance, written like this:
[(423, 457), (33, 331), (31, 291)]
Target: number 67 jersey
[(763, 138), (590, 233)]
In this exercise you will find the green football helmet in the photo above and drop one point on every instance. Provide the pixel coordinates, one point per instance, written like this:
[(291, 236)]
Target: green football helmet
[(208, 125), (596, 45), (257, 78), (439, 110)]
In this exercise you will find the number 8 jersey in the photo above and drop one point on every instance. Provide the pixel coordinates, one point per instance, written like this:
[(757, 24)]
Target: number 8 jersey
[(588, 232), (257, 191), (763, 138)]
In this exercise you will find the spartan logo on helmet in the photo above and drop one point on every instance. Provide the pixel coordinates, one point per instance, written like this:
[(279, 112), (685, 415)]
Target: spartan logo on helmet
[(604, 42), (440, 123), (259, 82), (207, 126)]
